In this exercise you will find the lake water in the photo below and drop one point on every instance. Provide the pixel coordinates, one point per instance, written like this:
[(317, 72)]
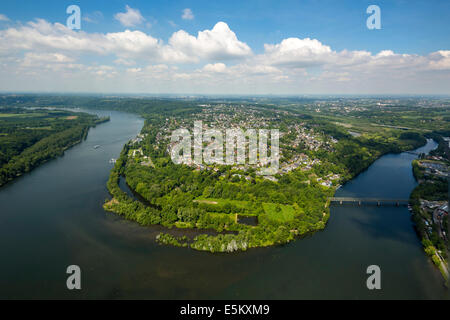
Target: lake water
[(53, 218)]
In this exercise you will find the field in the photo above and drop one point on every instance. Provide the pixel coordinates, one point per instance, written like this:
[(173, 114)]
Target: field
[(275, 212), (222, 202), (279, 212)]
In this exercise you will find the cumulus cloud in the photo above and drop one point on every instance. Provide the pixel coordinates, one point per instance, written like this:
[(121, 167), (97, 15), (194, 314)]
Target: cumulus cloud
[(213, 59), (302, 54), (124, 62), (216, 67), (297, 52), (307, 53), (219, 43), (157, 68), (3, 17), (130, 18), (440, 60), (187, 14), (40, 35), (31, 59)]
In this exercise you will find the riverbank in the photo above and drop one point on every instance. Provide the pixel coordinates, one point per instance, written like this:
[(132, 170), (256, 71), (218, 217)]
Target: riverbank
[(36, 136), (64, 223), (429, 207), (140, 211)]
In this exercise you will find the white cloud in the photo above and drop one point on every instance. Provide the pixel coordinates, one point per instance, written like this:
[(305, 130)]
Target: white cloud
[(214, 60), (130, 18), (103, 71), (3, 17), (298, 52), (93, 17), (42, 36), (34, 59), (240, 69), (216, 67), (218, 43), (256, 69), (294, 53), (129, 42), (124, 62), (187, 14), (157, 68), (134, 70), (440, 60)]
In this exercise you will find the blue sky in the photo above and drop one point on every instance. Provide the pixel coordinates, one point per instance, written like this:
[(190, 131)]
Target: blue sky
[(407, 26), (416, 34)]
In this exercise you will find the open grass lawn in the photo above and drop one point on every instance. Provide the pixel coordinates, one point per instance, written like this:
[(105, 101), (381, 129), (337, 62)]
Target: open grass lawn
[(285, 213), (237, 203), (228, 216)]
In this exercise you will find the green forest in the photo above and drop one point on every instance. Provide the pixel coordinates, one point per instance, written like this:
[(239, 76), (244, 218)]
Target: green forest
[(30, 137)]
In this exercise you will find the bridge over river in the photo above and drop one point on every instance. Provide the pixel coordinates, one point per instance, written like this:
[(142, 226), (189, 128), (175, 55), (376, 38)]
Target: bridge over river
[(413, 152), (370, 201)]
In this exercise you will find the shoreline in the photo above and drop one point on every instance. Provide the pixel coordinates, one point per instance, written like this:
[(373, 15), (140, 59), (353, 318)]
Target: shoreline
[(430, 250), (63, 150)]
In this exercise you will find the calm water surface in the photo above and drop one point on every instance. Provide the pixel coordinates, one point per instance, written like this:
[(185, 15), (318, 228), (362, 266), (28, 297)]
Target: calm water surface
[(53, 217)]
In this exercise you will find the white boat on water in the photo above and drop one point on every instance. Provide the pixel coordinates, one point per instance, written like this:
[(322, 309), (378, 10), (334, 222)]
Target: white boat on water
[(96, 147)]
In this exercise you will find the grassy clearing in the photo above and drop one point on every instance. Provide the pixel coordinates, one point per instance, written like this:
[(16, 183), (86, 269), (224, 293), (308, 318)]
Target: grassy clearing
[(237, 203), (279, 212), (206, 201), (39, 128), (226, 216), (274, 211), (184, 225)]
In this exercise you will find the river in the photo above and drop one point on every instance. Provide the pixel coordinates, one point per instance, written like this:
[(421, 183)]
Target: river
[(52, 218)]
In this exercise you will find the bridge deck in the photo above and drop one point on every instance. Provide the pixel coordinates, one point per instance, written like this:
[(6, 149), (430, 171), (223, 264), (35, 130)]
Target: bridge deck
[(367, 201)]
